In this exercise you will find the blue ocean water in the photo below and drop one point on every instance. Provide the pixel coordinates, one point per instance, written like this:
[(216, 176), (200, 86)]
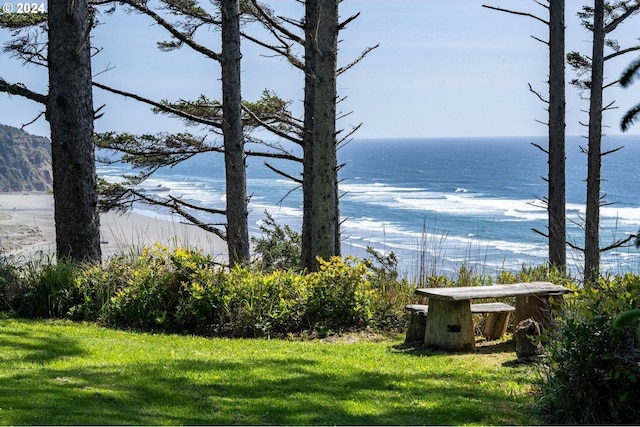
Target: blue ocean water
[(437, 203)]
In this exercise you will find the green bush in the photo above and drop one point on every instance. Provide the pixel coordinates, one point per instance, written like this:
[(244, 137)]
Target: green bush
[(154, 283), (182, 290), (49, 291), (12, 284), (279, 247), (592, 369), (95, 286), (392, 294), (340, 295)]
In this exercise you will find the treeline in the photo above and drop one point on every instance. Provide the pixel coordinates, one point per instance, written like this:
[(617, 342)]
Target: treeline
[(309, 43)]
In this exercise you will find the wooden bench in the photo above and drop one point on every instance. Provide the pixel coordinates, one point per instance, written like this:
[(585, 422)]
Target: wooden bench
[(494, 328)]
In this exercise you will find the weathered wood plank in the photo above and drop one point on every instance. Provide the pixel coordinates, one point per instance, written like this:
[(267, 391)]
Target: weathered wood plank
[(495, 325), (450, 326), (493, 291), (489, 307)]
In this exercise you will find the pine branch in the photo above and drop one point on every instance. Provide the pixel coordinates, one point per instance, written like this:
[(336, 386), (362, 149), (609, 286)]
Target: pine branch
[(21, 90), (273, 24), (630, 73), (536, 93), (162, 107), (270, 128), (630, 118), (357, 60), (617, 21), (621, 52), (499, 9), (347, 21), (121, 198), (284, 174), (544, 150), (182, 37), (619, 243)]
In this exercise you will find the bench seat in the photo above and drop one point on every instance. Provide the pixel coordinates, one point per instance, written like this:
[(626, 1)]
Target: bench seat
[(494, 328), (489, 307)]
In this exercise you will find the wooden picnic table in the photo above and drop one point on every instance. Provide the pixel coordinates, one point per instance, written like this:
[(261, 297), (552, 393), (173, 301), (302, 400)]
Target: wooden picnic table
[(450, 325)]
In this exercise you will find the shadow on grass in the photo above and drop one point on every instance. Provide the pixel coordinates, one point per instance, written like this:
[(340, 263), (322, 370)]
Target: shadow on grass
[(490, 347), (39, 348), (267, 389), (301, 397)]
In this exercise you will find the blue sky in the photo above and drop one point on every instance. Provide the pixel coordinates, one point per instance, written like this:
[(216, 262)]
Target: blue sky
[(444, 68)]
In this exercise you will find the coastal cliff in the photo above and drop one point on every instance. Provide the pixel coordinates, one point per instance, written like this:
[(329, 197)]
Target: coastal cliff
[(25, 161)]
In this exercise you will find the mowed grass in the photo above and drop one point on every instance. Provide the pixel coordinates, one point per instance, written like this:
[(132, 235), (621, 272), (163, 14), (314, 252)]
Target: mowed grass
[(56, 372)]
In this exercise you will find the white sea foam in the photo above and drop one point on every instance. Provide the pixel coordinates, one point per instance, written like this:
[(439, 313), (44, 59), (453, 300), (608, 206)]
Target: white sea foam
[(482, 212)]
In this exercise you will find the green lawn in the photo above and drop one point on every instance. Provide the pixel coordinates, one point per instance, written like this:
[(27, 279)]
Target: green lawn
[(55, 372)]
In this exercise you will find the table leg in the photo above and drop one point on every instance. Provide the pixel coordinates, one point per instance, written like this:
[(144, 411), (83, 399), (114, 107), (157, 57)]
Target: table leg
[(450, 326), (537, 307)]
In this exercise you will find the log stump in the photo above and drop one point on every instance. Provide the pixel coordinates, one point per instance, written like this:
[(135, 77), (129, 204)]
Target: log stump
[(417, 323), (527, 334)]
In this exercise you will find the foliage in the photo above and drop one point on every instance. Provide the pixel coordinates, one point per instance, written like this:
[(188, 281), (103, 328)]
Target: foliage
[(150, 294), (538, 273), (340, 295), (631, 116), (48, 289), (185, 291), (392, 292), (592, 368), (16, 21), (279, 247), (11, 284)]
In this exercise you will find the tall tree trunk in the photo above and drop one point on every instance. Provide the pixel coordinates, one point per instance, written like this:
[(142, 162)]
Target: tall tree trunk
[(557, 186), (311, 14), (70, 115), (235, 167), (324, 183), (592, 232)]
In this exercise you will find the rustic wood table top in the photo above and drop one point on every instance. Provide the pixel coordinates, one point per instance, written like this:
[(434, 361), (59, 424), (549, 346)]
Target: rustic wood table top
[(493, 291)]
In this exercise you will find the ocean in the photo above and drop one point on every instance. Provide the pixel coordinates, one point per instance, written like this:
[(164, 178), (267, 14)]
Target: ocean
[(437, 203)]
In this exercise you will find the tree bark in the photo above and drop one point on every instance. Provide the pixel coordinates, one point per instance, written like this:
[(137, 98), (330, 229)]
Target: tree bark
[(324, 184), (70, 115), (592, 232), (557, 102), (235, 167), (308, 261)]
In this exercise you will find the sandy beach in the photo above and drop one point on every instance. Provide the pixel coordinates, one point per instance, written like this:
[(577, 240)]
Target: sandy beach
[(27, 230)]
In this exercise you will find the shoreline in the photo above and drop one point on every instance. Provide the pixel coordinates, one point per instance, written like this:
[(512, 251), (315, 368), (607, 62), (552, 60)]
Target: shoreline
[(27, 230)]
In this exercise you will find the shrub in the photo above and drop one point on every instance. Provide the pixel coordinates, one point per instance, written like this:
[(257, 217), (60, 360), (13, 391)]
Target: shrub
[(204, 301), (12, 284), (265, 304), (592, 369), (49, 290), (155, 281), (279, 248), (340, 295), (392, 293), (95, 286), (183, 290)]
